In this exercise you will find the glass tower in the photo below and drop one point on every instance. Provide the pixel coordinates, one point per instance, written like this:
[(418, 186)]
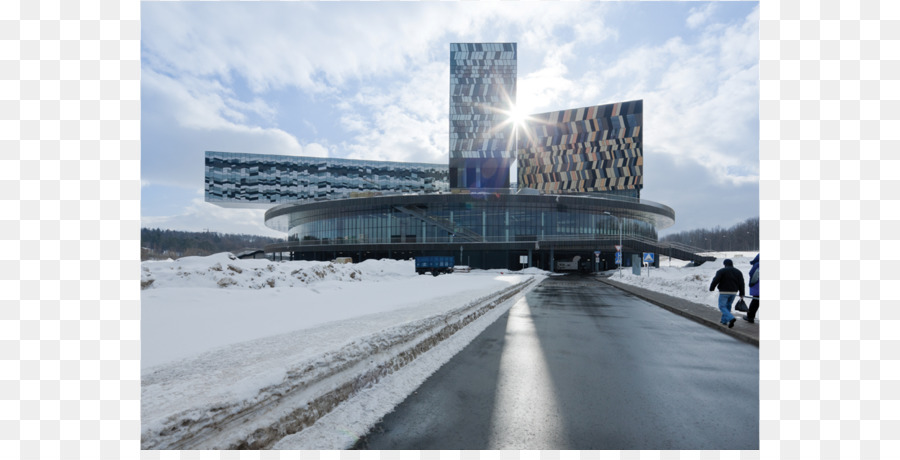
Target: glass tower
[(482, 92)]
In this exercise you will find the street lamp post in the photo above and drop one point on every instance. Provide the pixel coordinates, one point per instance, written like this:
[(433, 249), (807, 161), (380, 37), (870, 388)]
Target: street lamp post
[(622, 253)]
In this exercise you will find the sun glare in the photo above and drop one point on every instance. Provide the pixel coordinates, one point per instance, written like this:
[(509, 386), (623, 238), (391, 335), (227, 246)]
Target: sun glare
[(517, 116)]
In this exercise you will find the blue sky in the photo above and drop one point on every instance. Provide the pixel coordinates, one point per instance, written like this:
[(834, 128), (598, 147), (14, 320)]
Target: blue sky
[(369, 80)]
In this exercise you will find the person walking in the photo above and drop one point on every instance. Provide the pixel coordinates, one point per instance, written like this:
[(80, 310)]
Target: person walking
[(730, 282), (754, 290)]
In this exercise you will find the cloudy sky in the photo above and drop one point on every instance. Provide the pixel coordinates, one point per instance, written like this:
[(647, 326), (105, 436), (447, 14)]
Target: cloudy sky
[(370, 80)]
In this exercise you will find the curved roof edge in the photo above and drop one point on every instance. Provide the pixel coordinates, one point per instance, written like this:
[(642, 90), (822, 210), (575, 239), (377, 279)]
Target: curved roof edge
[(662, 216)]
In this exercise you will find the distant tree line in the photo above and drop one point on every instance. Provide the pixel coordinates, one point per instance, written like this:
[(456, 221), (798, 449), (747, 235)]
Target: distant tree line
[(740, 237), (163, 244)]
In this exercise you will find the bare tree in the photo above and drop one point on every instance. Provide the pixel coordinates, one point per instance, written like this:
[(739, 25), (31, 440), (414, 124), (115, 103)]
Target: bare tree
[(743, 236)]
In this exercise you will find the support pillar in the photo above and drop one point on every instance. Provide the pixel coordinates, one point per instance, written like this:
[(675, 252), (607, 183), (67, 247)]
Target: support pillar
[(552, 264)]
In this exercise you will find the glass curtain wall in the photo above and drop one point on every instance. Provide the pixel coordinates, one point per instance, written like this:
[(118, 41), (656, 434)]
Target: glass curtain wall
[(491, 222)]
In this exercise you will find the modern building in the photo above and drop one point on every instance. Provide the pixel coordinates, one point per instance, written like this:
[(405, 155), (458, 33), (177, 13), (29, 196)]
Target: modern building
[(576, 195), (252, 180)]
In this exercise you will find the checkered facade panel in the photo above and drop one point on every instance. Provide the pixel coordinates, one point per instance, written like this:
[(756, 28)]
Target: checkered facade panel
[(588, 149), (253, 180)]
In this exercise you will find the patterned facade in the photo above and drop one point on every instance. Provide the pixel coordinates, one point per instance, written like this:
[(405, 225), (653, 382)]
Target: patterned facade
[(589, 149), (252, 180), (482, 91)]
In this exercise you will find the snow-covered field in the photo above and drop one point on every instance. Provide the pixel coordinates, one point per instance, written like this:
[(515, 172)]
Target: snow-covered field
[(241, 353), (309, 355), (677, 279)]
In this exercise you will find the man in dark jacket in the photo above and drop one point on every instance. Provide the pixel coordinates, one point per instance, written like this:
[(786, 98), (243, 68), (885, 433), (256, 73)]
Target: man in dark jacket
[(730, 282)]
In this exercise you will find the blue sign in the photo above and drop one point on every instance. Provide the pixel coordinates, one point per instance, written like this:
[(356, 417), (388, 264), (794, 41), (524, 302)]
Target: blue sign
[(648, 257), (619, 258)]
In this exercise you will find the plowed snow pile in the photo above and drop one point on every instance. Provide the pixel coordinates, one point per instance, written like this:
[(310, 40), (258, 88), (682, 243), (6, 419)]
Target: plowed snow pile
[(238, 353), (690, 283)]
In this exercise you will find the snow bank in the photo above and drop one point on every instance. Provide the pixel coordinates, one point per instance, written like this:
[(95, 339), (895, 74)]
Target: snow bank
[(686, 282), (188, 309), (279, 344), (224, 270)]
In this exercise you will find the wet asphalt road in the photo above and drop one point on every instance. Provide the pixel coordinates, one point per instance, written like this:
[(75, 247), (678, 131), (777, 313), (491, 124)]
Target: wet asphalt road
[(577, 364)]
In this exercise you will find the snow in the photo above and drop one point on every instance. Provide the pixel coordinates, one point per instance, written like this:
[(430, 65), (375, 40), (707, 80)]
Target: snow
[(676, 278), (240, 353), (223, 337)]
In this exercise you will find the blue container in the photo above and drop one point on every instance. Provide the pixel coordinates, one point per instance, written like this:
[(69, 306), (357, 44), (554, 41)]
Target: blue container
[(434, 264)]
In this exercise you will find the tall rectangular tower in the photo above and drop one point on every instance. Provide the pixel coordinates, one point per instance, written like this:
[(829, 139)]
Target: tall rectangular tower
[(482, 92)]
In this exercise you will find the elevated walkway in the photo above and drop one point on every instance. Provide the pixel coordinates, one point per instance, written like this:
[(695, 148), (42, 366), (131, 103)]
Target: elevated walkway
[(673, 250)]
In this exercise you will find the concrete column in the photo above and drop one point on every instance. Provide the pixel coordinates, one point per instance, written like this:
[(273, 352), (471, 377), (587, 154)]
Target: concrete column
[(552, 266), (507, 226)]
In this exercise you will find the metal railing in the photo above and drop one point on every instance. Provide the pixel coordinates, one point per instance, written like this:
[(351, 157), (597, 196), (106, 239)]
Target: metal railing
[(503, 239), (693, 252), (458, 238)]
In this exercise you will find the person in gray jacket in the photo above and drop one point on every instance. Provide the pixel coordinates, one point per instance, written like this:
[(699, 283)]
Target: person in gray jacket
[(730, 282)]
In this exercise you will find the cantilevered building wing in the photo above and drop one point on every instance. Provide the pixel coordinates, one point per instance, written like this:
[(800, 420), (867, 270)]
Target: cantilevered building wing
[(252, 180), (482, 91), (590, 149)]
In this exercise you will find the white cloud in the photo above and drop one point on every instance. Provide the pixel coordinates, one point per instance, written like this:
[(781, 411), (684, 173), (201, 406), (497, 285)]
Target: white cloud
[(546, 88), (714, 94), (700, 98), (406, 122), (276, 45), (697, 195), (700, 15), (182, 118)]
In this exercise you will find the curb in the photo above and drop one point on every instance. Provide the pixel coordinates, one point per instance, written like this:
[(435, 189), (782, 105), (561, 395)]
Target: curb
[(737, 334)]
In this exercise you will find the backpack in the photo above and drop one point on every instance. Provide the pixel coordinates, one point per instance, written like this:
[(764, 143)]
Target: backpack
[(754, 278)]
